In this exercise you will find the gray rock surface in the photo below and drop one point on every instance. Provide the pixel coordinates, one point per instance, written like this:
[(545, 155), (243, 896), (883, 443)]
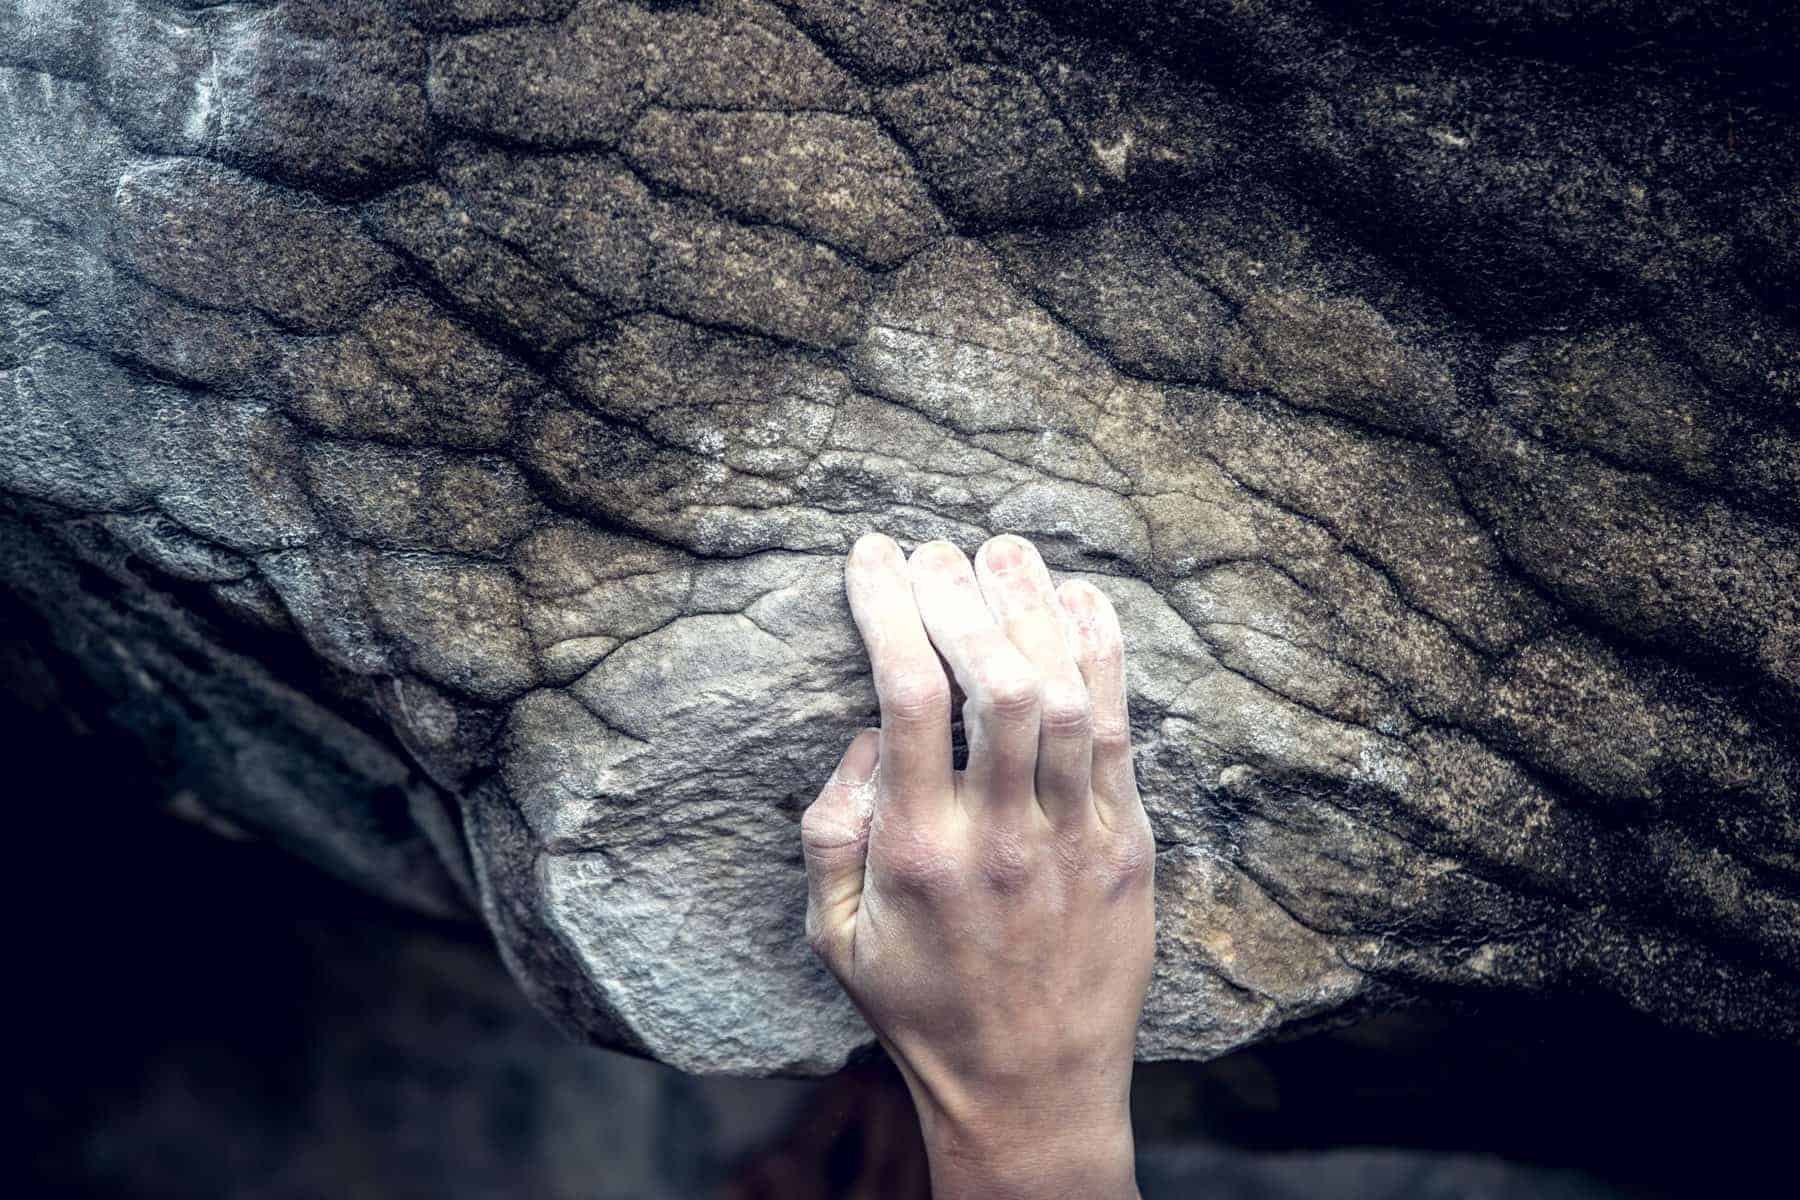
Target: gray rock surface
[(436, 424)]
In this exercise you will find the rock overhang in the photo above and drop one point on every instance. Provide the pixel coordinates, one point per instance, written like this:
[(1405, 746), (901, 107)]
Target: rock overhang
[(529, 367)]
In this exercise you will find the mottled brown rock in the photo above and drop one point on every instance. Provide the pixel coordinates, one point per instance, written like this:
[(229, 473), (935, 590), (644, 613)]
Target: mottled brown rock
[(835, 178), (420, 500), (580, 81), (407, 373), (435, 428), (221, 240), (992, 146), (457, 623)]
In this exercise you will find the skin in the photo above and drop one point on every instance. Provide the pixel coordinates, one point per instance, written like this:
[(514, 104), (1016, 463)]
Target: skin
[(995, 925)]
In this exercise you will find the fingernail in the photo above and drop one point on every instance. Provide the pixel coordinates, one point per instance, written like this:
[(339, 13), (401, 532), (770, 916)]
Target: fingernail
[(1003, 555), (1079, 600), (857, 766)]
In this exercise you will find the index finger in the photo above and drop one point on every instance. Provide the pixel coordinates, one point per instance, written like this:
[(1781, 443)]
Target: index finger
[(916, 767)]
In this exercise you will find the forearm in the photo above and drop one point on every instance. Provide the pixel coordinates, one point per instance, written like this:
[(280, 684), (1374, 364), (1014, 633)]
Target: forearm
[(1033, 1179)]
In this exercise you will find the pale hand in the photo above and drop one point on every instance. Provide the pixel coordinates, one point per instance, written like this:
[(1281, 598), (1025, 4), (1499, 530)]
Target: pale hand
[(994, 925)]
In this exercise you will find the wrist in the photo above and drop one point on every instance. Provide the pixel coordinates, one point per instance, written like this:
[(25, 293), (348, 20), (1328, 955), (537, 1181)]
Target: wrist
[(1047, 1156)]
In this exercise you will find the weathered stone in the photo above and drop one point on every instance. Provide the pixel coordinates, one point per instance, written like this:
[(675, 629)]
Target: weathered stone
[(992, 146), (436, 427), (879, 38), (450, 15), (73, 425), (1115, 283), (457, 623), (322, 94), (409, 500), (406, 374), (484, 277), (581, 82), (836, 178), (221, 240)]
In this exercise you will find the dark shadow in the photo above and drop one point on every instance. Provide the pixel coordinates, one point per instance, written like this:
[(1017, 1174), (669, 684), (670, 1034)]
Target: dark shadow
[(199, 1016)]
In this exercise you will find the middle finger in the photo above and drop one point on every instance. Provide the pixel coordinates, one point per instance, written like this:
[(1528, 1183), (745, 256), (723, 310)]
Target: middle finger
[(1016, 586), (1001, 716)]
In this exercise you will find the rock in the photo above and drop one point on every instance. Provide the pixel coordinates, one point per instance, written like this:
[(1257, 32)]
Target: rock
[(436, 427)]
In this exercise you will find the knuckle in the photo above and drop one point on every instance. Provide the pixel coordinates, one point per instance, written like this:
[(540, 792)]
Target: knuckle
[(1066, 710), (823, 827), (1012, 693), (1006, 865), (1131, 857), (1112, 738), (918, 866), (815, 825), (916, 695), (1074, 853)]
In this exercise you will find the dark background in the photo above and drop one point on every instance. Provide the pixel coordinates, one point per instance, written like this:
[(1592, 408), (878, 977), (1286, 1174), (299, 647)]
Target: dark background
[(197, 1015)]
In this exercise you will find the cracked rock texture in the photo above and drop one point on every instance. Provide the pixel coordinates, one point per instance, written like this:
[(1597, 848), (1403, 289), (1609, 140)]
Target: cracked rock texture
[(436, 425)]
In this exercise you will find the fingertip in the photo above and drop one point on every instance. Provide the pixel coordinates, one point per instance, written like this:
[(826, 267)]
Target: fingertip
[(1013, 572), (875, 568), (1077, 595), (1086, 613), (936, 554), (1003, 553), (873, 549), (1091, 606)]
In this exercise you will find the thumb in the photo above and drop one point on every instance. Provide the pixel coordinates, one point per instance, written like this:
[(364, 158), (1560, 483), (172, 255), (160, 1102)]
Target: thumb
[(834, 834)]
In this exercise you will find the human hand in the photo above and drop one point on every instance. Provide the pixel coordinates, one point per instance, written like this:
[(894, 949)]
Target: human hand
[(995, 925)]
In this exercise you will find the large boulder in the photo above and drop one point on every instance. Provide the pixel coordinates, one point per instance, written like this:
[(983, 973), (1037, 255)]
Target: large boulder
[(436, 426)]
